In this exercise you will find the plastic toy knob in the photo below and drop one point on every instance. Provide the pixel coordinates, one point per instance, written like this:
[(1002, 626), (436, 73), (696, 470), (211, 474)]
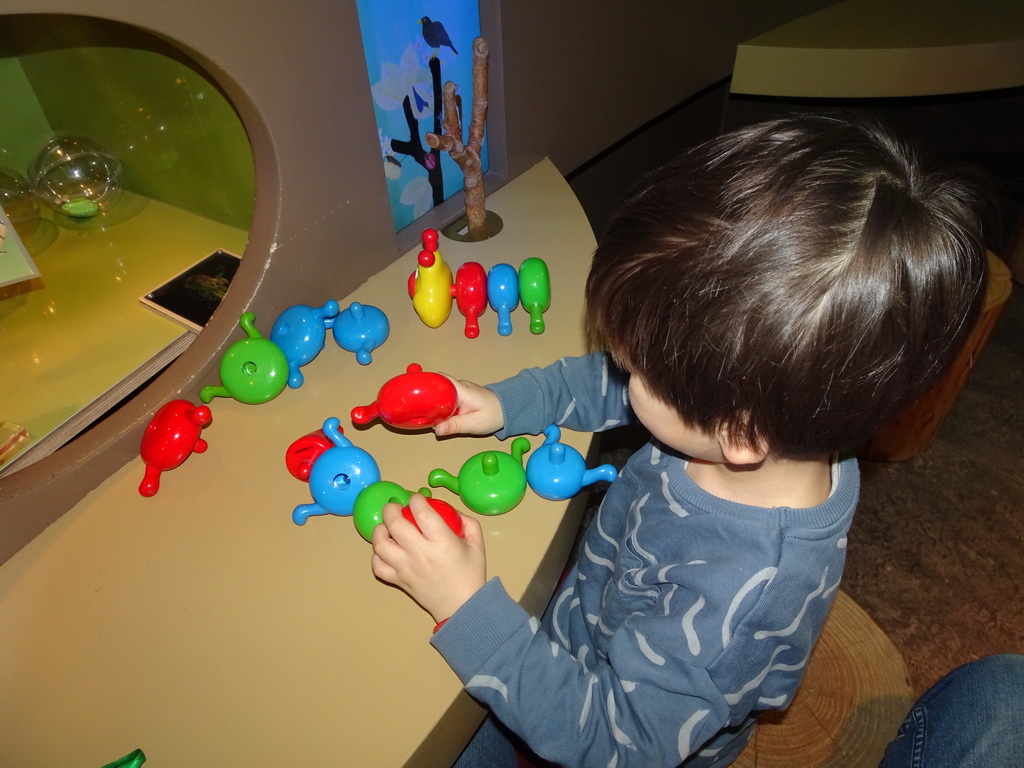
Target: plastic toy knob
[(416, 399), (429, 238), (535, 291)]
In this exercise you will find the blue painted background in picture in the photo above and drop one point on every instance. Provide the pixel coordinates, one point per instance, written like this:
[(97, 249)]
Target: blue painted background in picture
[(413, 47)]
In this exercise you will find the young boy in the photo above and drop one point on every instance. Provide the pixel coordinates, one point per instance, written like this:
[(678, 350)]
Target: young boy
[(766, 301)]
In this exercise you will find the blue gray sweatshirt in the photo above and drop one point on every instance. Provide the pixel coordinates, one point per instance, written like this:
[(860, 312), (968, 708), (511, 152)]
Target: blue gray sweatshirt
[(684, 615)]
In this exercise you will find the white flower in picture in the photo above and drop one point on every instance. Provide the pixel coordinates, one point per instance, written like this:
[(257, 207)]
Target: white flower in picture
[(407, 78)]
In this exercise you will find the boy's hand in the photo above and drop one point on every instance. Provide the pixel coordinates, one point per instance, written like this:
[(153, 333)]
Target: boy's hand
[(437, 569), (479, 412)]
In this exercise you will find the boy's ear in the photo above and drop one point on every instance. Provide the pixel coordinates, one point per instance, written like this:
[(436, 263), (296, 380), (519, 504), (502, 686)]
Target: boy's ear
[(740, 452)]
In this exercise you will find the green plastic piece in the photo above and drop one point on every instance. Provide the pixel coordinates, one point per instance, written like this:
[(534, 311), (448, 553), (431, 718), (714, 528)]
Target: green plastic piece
[(491, 482), (535, 291), (253, 370), (80, 208), (132, 760), (369, 504)]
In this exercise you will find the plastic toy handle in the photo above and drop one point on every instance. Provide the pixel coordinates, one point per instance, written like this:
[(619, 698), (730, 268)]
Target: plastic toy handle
[(334, 432), (520, 447), (247, 322)]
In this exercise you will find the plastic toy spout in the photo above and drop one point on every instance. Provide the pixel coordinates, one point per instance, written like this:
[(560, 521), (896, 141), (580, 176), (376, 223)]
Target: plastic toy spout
[(364, 414), (604, 472), (305, 511), (206, 394), (444, 479)]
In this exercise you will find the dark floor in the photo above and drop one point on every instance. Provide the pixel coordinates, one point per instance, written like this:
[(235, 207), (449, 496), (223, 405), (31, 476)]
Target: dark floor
[(936, 550)]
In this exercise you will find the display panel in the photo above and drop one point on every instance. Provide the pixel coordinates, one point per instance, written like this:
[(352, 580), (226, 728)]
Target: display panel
[(412, 48)]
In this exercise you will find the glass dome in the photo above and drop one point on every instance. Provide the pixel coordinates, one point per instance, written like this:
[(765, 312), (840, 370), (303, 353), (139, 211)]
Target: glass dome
[(77, 176)]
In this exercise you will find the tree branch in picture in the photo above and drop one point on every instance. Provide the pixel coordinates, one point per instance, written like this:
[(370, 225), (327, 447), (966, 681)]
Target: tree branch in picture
[(467, 155), (430, 161)]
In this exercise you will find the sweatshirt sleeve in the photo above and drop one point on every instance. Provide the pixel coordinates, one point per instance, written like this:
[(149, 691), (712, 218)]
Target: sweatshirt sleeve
[(623, 710), (586, 394)]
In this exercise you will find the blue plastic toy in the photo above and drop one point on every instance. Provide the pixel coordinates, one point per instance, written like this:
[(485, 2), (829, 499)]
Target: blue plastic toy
[(503, 294), (557, 471), (337, 477), (300, 332), (361, 328)]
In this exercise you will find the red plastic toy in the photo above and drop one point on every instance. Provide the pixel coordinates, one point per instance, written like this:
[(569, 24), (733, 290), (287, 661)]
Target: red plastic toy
[(470, 293), (303, 453), (171, 437), (432, 288), (412, 400), (447, 512)]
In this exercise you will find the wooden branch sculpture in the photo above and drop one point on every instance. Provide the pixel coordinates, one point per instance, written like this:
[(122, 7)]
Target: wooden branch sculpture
[(467, 155)]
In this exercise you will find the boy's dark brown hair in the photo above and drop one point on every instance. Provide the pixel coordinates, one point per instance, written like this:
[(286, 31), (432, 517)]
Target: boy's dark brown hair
[(795, 282)]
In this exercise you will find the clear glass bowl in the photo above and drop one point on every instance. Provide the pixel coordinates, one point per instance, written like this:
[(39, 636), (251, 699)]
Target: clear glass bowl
[(19, 202), (77, 176)]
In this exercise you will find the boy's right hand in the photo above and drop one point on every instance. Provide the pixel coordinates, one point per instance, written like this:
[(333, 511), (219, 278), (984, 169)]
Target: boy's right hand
[(479, 412)]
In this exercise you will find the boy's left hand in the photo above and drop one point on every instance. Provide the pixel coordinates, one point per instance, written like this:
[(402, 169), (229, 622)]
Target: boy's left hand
[(437, 569)]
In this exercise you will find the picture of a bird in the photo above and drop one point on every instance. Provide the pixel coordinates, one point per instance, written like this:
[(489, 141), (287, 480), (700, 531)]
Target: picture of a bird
[(435, 34)]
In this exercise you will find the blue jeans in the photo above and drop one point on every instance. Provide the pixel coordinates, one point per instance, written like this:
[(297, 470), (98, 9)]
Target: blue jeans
[(971, 718), (491, 747)]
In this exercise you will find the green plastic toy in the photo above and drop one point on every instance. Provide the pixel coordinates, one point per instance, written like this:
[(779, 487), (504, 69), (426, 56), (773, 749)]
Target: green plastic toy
[(535, 291), (369, 506), (491, 482), (131, 760), (253, 370)]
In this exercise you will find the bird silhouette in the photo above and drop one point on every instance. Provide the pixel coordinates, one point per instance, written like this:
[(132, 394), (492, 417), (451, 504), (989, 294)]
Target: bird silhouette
[(435, 34)]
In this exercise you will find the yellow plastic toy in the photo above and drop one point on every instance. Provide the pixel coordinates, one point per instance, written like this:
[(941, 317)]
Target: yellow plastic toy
[(430, 286)]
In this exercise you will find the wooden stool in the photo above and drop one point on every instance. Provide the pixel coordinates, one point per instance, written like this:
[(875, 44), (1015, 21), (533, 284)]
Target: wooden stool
[(913, 429), (849, 706)]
